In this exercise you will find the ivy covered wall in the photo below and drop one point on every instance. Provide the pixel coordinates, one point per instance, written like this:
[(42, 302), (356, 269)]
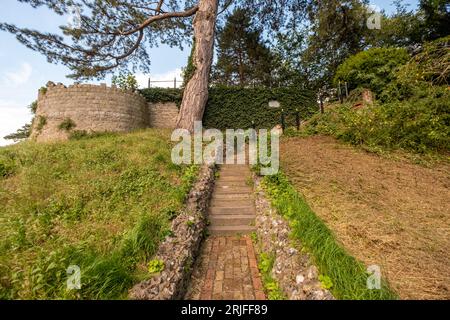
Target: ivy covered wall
[(233, 107)]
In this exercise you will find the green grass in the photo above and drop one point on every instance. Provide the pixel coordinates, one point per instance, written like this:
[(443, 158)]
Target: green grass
[(343, 274), (101, 202)]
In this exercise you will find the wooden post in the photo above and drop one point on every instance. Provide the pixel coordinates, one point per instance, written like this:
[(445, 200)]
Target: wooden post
[(175, 83), (297, 119), (149, 82), (321, 104)]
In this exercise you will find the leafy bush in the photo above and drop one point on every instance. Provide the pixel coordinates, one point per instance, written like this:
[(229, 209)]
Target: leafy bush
[(372, 69), (420, 124), (67, 125), (42, 121), (125, 82), (163, 95), (430, 67), (5, 169), (155, 266)]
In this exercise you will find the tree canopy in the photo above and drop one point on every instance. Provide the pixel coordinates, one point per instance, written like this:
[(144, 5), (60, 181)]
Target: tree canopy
[(243, 57)]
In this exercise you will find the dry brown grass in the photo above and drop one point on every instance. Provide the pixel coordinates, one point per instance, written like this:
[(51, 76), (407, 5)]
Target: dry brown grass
[(388, 212)]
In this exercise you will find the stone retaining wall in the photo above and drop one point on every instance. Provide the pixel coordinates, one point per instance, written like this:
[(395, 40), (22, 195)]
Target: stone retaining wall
[(178, 251), (162, 115)]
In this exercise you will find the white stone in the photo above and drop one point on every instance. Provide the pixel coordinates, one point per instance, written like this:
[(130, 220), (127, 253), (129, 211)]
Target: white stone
[(299, 279)]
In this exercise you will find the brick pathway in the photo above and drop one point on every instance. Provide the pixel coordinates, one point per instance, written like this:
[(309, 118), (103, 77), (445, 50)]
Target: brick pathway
[(226, 270)]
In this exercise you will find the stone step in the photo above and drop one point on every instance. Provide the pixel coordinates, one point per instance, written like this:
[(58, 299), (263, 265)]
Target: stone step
[(232, 210), (231, 203), (231, 220), (234, 183), (230, 230), (233, 178), (234, 166), (234, 172), (231, 196), (232, 189)]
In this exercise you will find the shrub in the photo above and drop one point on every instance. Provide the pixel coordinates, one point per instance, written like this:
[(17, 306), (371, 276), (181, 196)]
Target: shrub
[(155, 266), (42, 121), (420, 124), (163, 95), (372, 69), (67, 125), (125, 82), (430, 67), (6, 169)]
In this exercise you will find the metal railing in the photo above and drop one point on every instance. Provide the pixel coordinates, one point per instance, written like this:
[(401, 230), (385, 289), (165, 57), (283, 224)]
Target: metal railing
[(175, 81)]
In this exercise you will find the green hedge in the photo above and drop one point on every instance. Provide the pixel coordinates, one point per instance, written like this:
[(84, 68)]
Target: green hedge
[(233, 107), (163, 95)]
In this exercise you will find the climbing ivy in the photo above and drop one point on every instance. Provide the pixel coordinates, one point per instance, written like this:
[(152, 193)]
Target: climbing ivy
[(162, 95), (233, 107)]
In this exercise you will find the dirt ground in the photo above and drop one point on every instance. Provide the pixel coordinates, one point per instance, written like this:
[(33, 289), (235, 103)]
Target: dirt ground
[(391, 213)]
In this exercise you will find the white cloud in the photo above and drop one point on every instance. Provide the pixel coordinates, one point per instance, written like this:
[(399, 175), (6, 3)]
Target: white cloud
[(20, 76), (169, 76), (13, 116)]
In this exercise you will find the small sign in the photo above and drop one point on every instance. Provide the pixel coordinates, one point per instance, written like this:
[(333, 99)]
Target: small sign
[(274, 104)]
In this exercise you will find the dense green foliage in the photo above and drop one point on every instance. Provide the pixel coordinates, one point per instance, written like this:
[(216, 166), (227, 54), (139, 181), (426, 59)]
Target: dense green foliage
[(163, 95), (239, 107), (234, 107), (125, 81), (419, 124), (67, 124), (102, 203), (413, 109), (242, 56), (371, 69), (341, 273)]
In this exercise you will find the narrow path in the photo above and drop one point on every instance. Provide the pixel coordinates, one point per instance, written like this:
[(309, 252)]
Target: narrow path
[(227, 268)]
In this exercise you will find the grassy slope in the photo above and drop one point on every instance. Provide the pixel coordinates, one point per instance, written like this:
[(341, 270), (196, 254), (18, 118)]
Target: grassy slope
[(101, 203), (348, 276)]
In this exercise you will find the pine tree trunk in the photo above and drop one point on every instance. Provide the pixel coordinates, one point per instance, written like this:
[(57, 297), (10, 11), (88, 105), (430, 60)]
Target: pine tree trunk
[(196, 92)]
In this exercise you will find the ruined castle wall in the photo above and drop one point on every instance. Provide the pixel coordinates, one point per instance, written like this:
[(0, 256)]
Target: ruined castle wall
[(91, 108)]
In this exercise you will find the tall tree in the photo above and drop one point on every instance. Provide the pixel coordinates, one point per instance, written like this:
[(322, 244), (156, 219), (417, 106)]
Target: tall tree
[(115, 34), (338, 30), (437, 18), (243, 58)]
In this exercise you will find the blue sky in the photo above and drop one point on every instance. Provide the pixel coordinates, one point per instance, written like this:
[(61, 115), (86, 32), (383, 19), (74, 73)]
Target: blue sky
[(23, 71)]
